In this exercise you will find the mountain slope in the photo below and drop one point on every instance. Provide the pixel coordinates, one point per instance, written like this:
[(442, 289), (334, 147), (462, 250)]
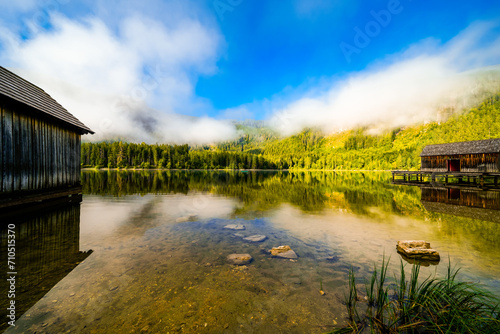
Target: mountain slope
[(398, 149)]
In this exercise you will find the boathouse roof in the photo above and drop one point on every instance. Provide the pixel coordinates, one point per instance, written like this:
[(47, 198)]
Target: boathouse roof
[(466, 147), (20, 90)]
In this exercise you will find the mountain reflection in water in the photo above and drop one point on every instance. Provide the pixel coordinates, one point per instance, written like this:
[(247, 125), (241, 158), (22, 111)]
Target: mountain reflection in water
[(160, 248)]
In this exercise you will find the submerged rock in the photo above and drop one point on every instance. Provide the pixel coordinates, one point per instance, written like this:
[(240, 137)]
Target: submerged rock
[(188, 218), (239, 235), (333, 259), (240, 268), (255, 238), (239, 259), (417, 249), (284, 252), (234, 227)]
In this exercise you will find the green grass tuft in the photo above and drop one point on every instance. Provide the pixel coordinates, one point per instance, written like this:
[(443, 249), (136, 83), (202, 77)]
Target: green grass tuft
[(431, 306)]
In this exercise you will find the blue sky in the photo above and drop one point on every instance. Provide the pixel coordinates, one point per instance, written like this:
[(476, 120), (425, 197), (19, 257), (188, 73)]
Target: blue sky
[(276, 44), (177, 70)]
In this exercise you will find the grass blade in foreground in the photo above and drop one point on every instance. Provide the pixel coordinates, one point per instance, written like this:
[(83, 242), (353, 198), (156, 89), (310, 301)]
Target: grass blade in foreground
[(432, 306)]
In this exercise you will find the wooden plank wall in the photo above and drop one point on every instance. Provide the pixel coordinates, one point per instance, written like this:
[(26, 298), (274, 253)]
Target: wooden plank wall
[(486, 162), (36, 154)]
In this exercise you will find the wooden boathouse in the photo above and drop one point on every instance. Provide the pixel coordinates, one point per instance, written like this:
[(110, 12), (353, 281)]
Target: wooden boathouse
[(471, 156), (473, 162), (39, 143)]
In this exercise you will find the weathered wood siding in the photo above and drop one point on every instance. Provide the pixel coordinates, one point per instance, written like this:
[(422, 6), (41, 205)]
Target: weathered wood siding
[(486, 162), (36, 154)]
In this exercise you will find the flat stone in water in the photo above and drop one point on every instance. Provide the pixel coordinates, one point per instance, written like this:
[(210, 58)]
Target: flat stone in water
[(188, 218), (234, 227), (239, 235), (239, 259), (284, 252), (418, 249), (255, 238)]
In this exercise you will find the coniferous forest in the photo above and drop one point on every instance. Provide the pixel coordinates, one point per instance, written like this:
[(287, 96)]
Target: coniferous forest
[(130, 155), (261, 148)]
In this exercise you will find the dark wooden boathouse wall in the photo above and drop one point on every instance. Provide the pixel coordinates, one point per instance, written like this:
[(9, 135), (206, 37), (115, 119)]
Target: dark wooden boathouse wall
[(39, 143), (486, 162), (478, 156), (36, 153)]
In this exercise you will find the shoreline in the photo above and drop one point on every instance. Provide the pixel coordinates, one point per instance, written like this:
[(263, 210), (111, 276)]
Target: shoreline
[(136, 169)]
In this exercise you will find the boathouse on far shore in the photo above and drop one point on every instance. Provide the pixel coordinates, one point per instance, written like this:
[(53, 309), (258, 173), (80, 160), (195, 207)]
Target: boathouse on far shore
[(39, 140), (480, 156)]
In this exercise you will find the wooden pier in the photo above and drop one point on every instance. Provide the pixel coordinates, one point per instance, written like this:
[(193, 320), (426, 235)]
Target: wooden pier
[(471, 179)]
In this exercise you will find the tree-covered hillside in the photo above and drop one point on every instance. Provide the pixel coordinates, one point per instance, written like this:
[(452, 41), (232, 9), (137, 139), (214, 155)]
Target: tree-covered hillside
[(259, 147), (397, 149)]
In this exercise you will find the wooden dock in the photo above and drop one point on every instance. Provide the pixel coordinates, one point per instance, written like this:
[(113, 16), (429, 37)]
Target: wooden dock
[(471, 179)]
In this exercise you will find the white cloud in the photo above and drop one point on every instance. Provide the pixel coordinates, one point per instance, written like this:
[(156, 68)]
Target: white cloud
[(109, 79), (410, 88)]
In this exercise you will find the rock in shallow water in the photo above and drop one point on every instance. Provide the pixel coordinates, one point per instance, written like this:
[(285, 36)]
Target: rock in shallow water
[(418, 249), (234, 227), (239, 259), (255, 238), (284, 252), (188, 218)]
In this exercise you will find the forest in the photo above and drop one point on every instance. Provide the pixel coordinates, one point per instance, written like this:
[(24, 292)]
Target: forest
[(130, 155), (259, 147)]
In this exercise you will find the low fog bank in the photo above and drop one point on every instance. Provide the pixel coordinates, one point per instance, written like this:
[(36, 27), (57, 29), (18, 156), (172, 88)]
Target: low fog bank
[(427, 82)]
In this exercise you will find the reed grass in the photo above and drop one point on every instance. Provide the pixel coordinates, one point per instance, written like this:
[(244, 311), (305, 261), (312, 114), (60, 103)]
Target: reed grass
[(433, 305)]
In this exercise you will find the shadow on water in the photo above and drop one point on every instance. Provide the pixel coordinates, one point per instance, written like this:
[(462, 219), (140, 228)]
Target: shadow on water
[(46, 250)]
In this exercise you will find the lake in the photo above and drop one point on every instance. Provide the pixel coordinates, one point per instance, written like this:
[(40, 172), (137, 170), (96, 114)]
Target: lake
[(146, 251)]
